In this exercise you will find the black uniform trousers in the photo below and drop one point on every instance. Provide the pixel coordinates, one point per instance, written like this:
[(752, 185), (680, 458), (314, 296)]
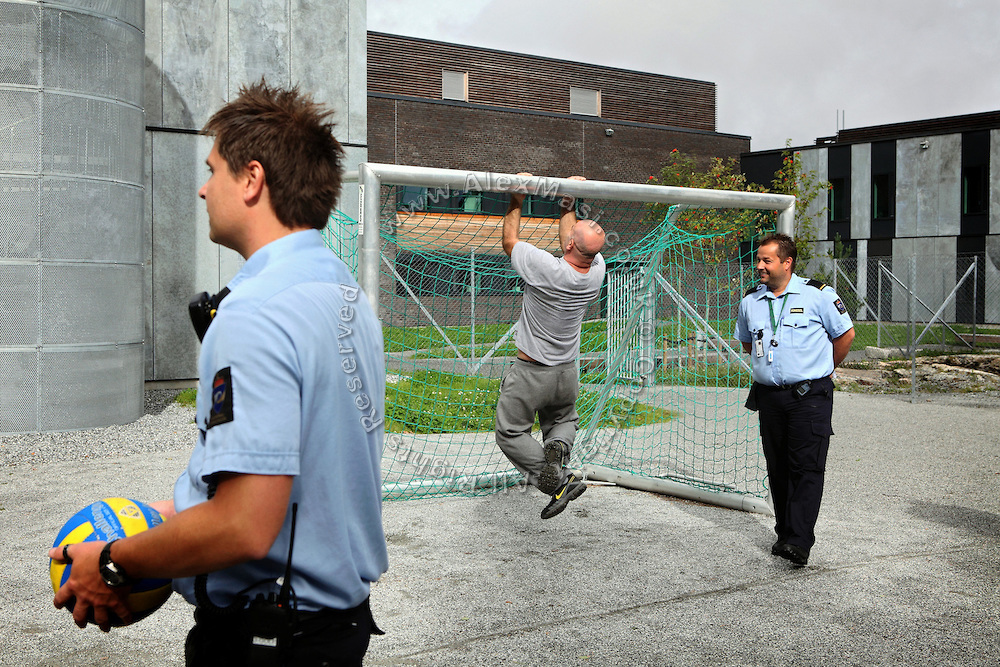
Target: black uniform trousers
[(328, 638), (795, 432)]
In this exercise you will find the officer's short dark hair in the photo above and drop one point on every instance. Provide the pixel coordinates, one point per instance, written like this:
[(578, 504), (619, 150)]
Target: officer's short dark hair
[(292, 138), (785, 243)]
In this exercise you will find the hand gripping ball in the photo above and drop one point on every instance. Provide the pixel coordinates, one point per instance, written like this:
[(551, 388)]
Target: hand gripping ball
[(106, 520)]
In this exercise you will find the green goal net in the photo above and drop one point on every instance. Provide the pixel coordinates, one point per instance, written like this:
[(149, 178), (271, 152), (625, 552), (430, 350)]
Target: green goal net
[(662, 386)]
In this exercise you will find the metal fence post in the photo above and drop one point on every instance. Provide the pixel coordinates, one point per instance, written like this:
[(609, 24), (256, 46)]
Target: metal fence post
[(472, 303), (913, 326), (878, 312)]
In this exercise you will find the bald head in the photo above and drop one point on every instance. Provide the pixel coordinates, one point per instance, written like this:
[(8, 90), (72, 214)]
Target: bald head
[(588, 238)]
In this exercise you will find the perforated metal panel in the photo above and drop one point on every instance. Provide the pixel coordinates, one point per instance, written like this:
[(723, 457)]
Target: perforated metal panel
[(18, 390), (71, 214), (19, 62), (19, 230), (89, 387), (76, 56), (19, 125), (19, 285), (101, 226)]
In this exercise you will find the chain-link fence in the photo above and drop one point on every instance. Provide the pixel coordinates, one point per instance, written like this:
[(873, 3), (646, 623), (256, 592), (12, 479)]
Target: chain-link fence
[(905, 304)]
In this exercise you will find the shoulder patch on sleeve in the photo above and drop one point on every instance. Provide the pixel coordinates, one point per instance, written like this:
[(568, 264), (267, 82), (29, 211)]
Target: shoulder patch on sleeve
[(815, 283), (221, 411), (841, 308)]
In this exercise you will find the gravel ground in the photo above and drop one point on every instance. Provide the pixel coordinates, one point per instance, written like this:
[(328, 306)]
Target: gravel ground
[(165, 426), (906, 570)]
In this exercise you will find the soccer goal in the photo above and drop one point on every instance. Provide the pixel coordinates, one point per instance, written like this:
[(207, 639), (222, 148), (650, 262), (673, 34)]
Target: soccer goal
[(662, 385)]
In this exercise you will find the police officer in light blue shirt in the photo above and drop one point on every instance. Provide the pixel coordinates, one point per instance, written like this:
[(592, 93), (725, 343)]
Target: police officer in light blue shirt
[(796, 332), (275, 529)]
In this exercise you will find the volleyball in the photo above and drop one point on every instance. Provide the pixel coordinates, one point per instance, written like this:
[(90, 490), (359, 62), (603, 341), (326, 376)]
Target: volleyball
[(106, 520)]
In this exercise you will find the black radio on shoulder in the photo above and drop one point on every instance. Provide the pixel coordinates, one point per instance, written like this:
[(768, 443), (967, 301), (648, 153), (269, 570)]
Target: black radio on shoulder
[(202, 309)]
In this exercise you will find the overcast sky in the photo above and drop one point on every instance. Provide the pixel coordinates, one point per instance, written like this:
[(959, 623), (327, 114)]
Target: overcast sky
[(782, 68)]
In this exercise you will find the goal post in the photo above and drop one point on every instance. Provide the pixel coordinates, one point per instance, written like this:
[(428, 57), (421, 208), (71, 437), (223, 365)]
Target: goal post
[(662, 386)]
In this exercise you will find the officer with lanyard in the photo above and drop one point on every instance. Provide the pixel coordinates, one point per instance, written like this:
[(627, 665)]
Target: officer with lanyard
[(796, 331)]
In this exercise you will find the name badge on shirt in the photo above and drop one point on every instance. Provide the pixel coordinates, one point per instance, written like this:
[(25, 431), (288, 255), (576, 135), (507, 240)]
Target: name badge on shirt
[(758, 348)]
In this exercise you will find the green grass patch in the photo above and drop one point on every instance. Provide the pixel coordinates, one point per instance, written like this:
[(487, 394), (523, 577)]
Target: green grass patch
[(187, 397), (435, 402)]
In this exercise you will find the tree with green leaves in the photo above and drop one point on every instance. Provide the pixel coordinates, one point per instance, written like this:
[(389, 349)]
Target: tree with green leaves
[(684, 170)]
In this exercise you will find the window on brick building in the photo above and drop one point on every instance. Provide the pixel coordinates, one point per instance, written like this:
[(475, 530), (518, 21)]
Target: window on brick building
[(584, 101), (454, 85)]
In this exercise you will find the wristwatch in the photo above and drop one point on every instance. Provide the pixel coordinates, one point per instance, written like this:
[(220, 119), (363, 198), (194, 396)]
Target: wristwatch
[(113, 574)]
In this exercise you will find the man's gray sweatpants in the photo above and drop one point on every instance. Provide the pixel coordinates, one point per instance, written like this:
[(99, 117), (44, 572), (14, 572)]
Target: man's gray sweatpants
[(549, 391)]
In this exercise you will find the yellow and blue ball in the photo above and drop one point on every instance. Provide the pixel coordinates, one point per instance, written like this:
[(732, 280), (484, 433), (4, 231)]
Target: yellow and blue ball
[(106, 520)]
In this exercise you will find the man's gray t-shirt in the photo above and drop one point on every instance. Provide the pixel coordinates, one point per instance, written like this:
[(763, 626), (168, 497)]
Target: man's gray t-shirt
[(556, 297)]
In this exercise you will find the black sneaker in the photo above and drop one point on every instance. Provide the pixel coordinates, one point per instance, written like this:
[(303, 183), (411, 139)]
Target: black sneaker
[(571, 490), (556, 456)]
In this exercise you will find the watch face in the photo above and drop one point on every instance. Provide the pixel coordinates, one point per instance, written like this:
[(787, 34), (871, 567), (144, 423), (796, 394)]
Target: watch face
[(113, 575)]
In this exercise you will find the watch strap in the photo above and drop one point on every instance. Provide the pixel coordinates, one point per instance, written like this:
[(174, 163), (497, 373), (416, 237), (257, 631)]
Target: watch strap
[(114, 575)]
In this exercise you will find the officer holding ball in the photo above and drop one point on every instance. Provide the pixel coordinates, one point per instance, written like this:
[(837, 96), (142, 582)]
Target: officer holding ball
[(275, 530)]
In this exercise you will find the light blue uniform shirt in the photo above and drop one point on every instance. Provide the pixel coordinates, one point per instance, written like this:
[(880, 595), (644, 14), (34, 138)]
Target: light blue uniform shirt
[(808, 319), (292, 382)]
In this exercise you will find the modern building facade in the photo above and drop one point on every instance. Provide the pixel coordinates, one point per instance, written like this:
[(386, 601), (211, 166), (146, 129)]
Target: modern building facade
[(927, 189)]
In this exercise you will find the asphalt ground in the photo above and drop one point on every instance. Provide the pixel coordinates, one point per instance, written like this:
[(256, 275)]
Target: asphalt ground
[(906, 569)]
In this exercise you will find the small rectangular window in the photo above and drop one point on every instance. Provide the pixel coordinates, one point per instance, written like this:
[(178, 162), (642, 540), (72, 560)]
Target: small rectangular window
[(883, 197), (584, 101), (454, 85), (975, 190), (838, 200)]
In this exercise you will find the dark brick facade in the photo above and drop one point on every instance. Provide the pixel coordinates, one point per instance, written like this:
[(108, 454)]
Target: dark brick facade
[(436, 134)]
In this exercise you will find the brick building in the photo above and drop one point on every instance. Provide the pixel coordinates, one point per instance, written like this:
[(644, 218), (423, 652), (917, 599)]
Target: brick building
[(435, 104)]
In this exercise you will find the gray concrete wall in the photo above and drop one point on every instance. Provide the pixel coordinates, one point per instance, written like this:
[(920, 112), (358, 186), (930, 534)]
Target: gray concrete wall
[(928, 186), (861, 191), (992, 270), (198, 54), (932, 280), (995, 182)]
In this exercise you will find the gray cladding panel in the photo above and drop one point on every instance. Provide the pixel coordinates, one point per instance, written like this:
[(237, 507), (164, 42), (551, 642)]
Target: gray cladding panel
[(321, 60), (264, 24), (195, 69), (861, 191), (995, 182), (19, 141), (91, 220), (92, 55), (19, 390), (95, 138), (19, 228), (19, 49), (89, 387), (91, 303), (928, 186), (184, 260), (815, 161), (127, 11), (19, 305), (152, 95)]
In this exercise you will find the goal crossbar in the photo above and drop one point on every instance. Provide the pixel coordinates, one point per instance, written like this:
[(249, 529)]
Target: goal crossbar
[(372, 175)]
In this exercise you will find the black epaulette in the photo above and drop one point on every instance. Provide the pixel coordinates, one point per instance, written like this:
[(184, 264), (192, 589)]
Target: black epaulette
[(752, 289), (815, 283)]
